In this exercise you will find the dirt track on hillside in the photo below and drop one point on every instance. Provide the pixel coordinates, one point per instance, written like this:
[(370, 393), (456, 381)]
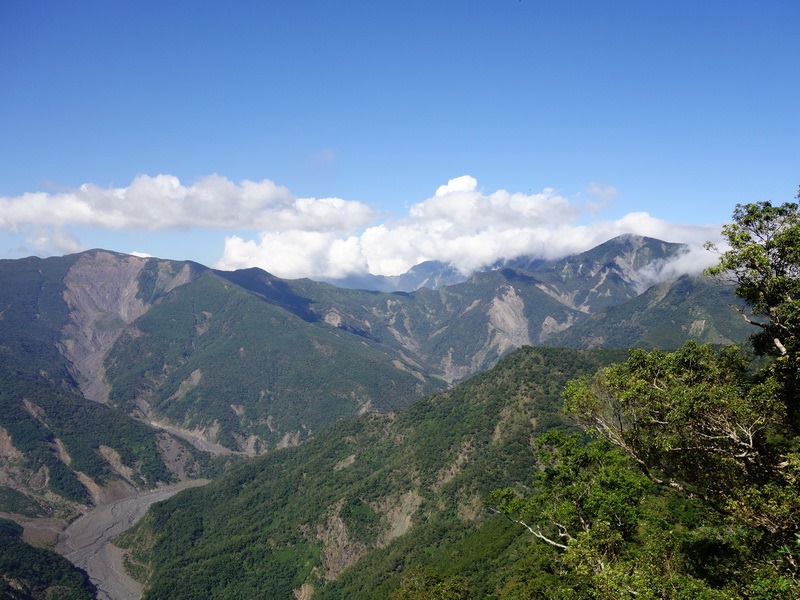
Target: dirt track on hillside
[(87, 541)]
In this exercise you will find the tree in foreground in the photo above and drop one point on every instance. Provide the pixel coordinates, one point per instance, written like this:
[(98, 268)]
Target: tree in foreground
[(711, 433), (763, 261)]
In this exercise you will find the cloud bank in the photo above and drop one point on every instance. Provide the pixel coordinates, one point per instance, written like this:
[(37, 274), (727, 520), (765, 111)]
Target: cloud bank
[(162, 202), (463, 226), (331, 237)]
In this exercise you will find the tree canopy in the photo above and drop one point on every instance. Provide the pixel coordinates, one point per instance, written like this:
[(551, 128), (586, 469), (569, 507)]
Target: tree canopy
[(710, 430), (763, 260)]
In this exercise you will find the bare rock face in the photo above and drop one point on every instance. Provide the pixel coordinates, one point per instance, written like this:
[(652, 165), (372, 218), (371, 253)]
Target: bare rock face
[(339, 550), (103, 294), (508, 327)]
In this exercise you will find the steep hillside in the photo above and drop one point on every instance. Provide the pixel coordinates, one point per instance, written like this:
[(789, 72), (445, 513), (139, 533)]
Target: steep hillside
[(381, 492), (59, 450), (215, 359), (664, 316), (29, 573)]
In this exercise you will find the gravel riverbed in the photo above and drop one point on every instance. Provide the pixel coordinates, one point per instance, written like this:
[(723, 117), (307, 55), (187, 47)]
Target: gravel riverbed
[(86, 542)]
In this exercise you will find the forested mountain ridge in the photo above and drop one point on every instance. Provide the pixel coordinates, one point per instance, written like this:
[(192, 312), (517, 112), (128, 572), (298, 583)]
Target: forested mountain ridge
[(355, 509), (483, 491), (663, 316), (689, 489), (244, 361), (459, 329), (162, 340)]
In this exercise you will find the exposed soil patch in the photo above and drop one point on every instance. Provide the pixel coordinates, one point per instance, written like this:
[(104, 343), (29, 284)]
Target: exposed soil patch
[(397, 513), (339, 551)]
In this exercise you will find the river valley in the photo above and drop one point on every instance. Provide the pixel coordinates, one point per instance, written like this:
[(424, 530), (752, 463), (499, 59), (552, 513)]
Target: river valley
[(86, 542)]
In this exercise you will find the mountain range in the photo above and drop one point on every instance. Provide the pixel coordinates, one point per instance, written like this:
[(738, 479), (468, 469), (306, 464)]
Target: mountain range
[(166, 361)]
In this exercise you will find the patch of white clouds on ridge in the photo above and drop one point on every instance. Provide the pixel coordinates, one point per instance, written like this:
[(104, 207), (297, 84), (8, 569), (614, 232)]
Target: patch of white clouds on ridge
[(465, 227), (331, 237)]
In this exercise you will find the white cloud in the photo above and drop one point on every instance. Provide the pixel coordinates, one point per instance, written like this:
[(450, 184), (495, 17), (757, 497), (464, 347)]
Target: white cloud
[(459, 225), (465, 183), (163, 202), (332, 237), (602, 190), (692, 262)]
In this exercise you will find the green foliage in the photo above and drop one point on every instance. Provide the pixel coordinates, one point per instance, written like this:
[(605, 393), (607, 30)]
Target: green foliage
[(617, 534), (764, 262), (428, 465), (425, 584), (702, 423), (29, 573), (694, 417)]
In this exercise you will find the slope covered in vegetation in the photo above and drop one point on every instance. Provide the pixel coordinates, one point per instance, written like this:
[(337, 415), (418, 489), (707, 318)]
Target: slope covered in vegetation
[(28, 573), (382, 491), (488, 490)]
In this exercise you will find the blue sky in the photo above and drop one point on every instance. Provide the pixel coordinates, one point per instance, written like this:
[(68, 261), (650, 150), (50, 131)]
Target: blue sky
[(311, 138)]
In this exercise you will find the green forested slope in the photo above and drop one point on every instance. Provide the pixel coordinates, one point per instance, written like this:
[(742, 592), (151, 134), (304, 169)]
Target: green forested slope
[(216, 357), (381, 494), (28, 573)]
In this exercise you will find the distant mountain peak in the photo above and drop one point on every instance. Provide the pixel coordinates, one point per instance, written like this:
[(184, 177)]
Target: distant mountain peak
[(629, 251)]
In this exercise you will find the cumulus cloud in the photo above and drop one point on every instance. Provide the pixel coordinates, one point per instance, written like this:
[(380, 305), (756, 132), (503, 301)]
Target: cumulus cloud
[(331, 237), (163, 202), (460, 225)]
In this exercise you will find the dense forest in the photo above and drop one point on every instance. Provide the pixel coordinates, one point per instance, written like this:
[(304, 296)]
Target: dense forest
[(557, 474), (30, 573)]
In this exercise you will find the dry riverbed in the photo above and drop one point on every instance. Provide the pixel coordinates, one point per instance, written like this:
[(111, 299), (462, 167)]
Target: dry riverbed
[(87, 540)]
